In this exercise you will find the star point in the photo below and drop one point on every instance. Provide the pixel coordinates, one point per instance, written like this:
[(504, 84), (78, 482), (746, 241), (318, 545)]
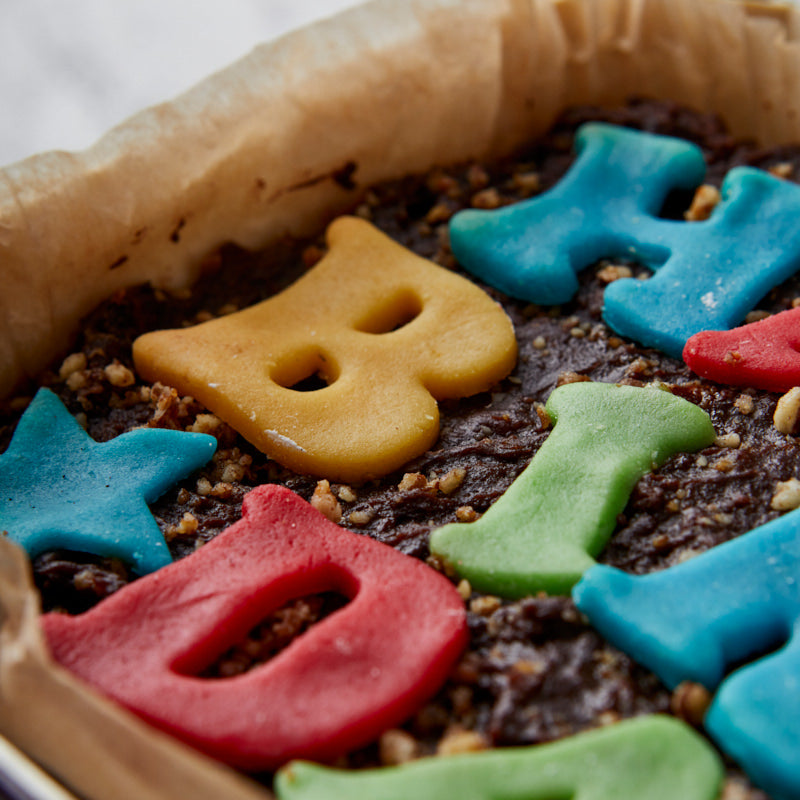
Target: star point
[(62, 489)]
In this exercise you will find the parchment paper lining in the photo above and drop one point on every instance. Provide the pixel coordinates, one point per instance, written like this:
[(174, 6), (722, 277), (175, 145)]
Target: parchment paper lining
[(251, 154)]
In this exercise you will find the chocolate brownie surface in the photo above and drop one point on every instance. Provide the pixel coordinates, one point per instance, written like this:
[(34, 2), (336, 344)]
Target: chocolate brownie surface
[(534, 671)]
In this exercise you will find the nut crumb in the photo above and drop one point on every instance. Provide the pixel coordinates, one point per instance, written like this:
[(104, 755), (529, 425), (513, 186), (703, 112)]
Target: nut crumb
[(744, 404), (452, 480), (325, 502), (75, 362), (397, 747), (186, 527), (346, 494), (119, 375), (464, 589), (783, 170), (756, 316), (485, 605), (486, 199), (787, 412), (732, 440), (412, 480), (461, 741), (613, 272), (571, 377), (466, 514), (705, 200), (786, 496), (690, 701), (359, 518)]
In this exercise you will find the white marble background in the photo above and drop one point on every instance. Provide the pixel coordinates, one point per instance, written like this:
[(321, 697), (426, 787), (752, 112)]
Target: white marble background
[(71, 69)]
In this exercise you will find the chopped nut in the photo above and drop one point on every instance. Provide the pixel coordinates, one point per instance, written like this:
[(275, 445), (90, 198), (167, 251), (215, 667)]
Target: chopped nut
[(412, 480), (466, 514), (690, 701), (613, 272), (75, 362), (452, 480), (732, 357), (360, 518), (206, 423), (346, 494), (460, 741), (203, 487), (464, 589), (782, 170), (186, 527), (544, 417), (540, 343), (486, 199), (723, 465), (756, 316), (477, 177), (701, 461), (325, 502), (441, 212), (571, 377), (786, 496), (527, 182), (577, 333), (397, 747), (485, 605), (614, 342), (733, 790), (744, 404), (118, 374), (787, 412), (77, 380), (705, 200), (728, 440)]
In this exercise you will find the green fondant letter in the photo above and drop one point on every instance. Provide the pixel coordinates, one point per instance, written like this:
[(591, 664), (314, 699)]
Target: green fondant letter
[(542, 534), (648, 758)]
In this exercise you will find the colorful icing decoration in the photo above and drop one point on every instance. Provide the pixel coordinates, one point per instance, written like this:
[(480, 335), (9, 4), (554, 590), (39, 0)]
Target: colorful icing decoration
[(366, 667), (696, 620), (764, 354), (708, 274), (63, 490), (542, 533), (648, 758), (388, 331)]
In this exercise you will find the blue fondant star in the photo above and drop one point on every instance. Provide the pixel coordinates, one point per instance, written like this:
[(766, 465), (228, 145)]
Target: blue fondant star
[(61, 489)]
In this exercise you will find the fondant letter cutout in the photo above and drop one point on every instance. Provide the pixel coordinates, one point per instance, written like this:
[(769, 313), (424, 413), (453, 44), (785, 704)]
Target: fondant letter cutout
[(764, 354), (366, 667), (542, 533), (648, 758), (61, 489), (708, 274), (386, 330), (695, 620)]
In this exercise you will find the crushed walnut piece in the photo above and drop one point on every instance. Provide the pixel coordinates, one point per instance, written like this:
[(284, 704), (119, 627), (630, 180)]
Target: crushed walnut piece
[(787, 413), (786, 496), (324, 500), (690, 701), (397, 746), (705, 200)]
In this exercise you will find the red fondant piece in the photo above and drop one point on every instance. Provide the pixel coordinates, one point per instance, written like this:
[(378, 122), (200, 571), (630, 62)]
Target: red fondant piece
[(363, 669), (764, 354)]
